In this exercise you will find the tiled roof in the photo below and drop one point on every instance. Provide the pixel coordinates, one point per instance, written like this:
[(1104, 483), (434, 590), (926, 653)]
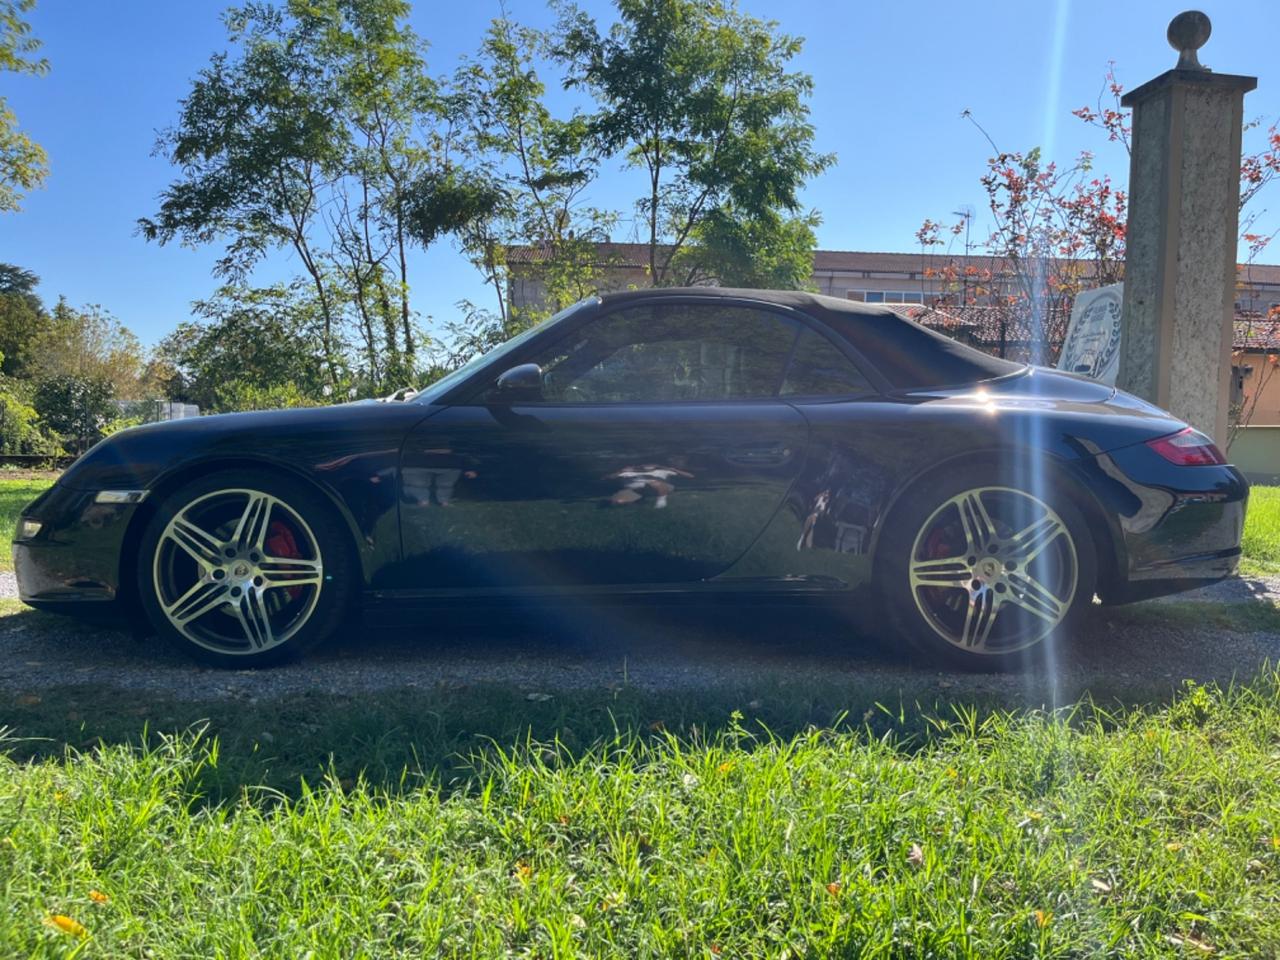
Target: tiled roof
[(858, 261), (1256, 332), (1253, 331)]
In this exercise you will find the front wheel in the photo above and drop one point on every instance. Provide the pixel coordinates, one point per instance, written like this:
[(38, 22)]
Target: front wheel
[(244, 568), (980, 574)]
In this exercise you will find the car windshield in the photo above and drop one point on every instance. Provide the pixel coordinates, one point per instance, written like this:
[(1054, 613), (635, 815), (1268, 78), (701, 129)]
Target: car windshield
[(433, 391)]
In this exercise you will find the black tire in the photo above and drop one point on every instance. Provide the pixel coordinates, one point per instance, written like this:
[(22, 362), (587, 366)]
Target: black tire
[(919, 614), (320, 532)]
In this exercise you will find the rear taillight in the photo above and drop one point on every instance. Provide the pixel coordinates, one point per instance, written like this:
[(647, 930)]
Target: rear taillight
[(1188, 448)]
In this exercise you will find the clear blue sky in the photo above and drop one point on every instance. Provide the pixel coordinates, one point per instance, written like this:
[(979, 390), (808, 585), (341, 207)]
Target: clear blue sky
[(892, 79)]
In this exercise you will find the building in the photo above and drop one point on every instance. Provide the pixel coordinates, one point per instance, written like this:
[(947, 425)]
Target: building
[(912, 278)]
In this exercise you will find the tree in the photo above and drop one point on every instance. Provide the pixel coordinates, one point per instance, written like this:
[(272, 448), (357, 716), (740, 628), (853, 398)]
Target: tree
[(1053, 231), (771, 251), (249, 343), (1056, 231), (530, 173), (319, 135), (23, 163), (20, 428), (699, 96), (78, 408), (22, 318), (88, 344)]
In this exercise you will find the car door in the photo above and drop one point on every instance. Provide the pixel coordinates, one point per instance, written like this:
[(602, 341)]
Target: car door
[(656, 453)]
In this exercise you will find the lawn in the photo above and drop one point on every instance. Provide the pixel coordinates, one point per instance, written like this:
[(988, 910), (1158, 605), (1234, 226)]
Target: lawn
[(1262, 531), (1148, 833), (789, 822), (16, 493)]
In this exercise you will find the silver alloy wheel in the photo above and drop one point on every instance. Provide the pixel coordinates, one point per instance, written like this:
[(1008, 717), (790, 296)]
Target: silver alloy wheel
[(237, 571), (993, 570)]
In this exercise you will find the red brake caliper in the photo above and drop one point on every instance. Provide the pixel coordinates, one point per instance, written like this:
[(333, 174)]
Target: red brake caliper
[(936, 547), (280, 543)]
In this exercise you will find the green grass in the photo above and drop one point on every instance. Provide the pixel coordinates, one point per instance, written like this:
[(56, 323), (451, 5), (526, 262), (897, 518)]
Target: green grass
[(16, 493), (1262, 531), (1149, 833)]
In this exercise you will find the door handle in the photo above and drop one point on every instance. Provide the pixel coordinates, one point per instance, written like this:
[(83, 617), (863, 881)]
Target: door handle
[(760, 454)]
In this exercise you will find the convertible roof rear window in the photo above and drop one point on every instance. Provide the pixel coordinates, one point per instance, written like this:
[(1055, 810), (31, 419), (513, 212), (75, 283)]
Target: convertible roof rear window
[(908, 355), (911, 356)]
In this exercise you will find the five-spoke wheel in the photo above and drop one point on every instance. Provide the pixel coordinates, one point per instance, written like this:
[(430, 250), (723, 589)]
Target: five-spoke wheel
[(981, 572), (993, 567), (239, 571)]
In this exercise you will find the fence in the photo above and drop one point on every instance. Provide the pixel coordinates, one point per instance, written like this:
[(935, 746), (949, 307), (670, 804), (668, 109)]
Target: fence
[(34, 461), (152, 411)]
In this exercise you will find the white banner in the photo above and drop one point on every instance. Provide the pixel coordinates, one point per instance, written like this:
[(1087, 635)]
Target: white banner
[(1092, 346)]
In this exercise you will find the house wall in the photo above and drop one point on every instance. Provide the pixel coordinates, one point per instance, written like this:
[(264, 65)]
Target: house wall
[(1257, 370), (1256, 452)]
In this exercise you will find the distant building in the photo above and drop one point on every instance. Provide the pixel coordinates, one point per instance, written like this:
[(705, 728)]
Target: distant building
[(871, 277)]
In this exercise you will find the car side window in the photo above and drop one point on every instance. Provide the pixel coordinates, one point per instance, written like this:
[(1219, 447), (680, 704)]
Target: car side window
[(819, 369), (668, 353)]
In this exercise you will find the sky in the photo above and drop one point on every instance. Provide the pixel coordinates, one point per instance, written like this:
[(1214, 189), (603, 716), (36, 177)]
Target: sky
[(891, 82)]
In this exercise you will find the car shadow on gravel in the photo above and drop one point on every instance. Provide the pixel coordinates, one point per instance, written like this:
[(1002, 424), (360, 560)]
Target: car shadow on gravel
[(653, 646), (425, 696)]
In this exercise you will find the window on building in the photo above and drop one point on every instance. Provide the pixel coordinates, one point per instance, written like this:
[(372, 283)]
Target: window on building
[(887, 296), (1239, 374)]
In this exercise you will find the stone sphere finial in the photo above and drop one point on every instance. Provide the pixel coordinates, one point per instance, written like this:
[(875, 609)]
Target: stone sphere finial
[(1188, 32)]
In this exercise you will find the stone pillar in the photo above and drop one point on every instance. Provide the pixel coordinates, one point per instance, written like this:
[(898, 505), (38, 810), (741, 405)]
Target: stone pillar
[(1184, 205)]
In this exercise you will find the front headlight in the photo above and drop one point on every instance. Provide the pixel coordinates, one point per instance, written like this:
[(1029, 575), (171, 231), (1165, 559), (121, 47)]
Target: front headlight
[(27, 529)]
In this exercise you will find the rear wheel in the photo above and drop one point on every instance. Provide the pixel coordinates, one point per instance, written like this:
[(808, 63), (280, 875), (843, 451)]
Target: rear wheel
[(985, 575), (244, 568)]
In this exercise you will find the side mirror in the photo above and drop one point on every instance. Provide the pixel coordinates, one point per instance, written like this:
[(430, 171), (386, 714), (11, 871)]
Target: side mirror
[(520, 384)]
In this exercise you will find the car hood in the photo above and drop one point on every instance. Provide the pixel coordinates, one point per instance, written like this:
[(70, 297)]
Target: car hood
[(135, 457)]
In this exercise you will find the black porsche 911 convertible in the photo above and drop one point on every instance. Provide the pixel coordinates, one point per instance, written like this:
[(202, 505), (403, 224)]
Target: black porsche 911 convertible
[(700, 441)]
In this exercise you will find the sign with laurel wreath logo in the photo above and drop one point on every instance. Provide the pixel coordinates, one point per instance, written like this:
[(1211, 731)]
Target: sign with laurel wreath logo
[(1092, 347)]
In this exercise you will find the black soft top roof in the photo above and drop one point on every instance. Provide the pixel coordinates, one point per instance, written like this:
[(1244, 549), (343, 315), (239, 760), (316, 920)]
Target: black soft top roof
[(906, 354)]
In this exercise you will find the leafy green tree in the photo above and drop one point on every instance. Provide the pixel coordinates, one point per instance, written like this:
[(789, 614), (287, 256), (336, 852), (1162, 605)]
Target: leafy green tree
[(239, 395), (22, 318), (392, 112), (701, 97), (23, 163), (257, 139), (88, 344), (78, 408), (20, 428), (248, 343), (770, 251), (321, 133), (540, 167)]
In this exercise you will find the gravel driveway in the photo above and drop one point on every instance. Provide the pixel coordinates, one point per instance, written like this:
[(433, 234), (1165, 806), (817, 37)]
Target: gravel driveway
[(1132, 649)]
